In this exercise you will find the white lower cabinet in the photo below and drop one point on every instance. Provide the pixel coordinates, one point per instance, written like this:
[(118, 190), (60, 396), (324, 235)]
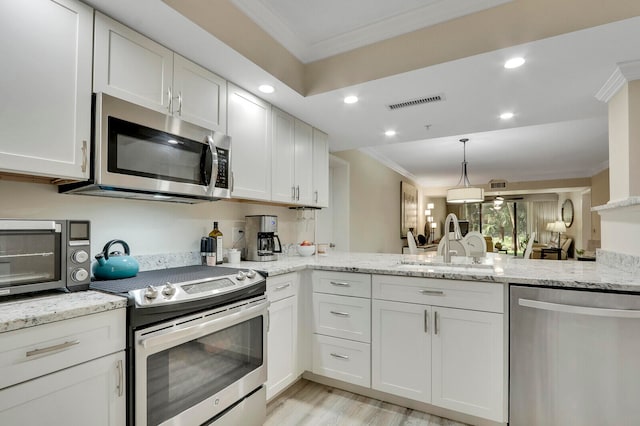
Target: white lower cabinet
[(91, 393), (426, 348), (468, 362), (342, 359), (282, 338), (401, 349), (342, 326), (69, 372)]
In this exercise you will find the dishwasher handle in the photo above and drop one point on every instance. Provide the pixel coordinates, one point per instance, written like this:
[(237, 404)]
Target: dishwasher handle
[(580, 310)]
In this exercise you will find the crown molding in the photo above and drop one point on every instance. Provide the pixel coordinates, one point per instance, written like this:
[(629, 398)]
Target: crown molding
[(624, 72), (437, 11), (371, 152)]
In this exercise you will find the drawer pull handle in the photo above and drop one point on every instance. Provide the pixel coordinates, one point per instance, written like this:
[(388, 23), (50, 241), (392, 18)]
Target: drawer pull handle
[(53, 348), (340, 314), (339, 356), (281, 287), (432, 292), (340, 284)]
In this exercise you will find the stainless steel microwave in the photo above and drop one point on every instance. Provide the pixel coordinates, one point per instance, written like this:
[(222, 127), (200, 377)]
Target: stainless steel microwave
[(144, 154), (37, 255)]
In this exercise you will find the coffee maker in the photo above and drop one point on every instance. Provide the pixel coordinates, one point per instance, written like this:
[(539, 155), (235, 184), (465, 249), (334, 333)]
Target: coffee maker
[(261, 239)]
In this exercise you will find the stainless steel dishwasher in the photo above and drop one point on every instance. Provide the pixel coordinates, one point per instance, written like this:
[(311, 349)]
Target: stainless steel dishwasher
[(574, 357)]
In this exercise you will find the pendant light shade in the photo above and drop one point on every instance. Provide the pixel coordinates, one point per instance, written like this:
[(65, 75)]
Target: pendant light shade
[(464, 192)]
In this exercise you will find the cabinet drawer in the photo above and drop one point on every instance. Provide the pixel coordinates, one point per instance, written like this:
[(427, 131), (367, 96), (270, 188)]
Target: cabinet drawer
[(342, 360), (344, 283), (281, 286), (342, 316), (474, 295), (32, 352)]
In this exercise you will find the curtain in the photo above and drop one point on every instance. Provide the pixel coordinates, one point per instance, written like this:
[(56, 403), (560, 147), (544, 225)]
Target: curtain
[(541, 213)]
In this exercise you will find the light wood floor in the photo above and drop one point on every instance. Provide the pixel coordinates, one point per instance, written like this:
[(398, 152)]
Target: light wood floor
[(308, 403)]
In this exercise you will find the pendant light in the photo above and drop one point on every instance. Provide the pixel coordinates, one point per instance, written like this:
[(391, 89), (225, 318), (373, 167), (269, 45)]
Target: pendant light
[(464, 192)]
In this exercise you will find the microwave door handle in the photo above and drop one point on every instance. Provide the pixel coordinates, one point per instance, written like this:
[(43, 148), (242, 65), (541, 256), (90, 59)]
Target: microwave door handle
[(214, 165)]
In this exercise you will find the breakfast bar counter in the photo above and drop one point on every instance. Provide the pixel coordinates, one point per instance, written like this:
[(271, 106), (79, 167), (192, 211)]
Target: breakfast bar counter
[(505, 269)]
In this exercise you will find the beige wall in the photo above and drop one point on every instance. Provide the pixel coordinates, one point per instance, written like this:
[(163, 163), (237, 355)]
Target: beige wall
[(599, 197), (375, 205), (149, 227)]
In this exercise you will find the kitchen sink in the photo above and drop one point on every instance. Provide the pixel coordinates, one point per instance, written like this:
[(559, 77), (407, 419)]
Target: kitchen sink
[(458, 264)]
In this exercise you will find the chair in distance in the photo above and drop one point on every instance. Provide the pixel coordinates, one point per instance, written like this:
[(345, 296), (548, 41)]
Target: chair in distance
[(529, 249), (411, 242)]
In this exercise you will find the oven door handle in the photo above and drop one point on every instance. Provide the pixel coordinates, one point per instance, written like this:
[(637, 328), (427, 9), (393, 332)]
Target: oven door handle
[(167, 338)]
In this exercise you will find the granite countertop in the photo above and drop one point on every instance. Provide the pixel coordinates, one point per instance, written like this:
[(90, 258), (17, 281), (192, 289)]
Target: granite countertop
[(506, 269), (28, 311), (41, 308)]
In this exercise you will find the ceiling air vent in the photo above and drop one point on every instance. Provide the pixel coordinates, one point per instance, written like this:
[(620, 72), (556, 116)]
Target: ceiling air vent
[(418, 101), (498, 184)]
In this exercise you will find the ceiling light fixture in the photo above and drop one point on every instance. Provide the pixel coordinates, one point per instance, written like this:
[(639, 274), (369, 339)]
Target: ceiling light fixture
[(350, 99), (390, 133), (464, 192), (506, 115), (266, 88), (514, 63)]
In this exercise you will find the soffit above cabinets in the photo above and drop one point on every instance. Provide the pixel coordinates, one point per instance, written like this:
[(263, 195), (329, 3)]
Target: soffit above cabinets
[(314, 30)]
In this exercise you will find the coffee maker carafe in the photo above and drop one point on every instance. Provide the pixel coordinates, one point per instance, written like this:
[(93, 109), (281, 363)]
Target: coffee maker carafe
[(261, 238)]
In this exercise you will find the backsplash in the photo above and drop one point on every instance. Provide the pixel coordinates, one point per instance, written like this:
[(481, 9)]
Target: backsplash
[(149, 227)]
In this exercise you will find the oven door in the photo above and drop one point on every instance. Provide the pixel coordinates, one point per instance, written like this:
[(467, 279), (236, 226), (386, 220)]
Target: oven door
[(142, 149), (191, 369), (31, 257)]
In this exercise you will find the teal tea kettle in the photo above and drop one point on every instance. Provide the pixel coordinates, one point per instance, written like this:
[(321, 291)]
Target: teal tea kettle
[(114, 265)]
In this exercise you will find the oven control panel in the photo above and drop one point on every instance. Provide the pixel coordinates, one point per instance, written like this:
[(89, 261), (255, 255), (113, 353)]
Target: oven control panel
[(177, 292)]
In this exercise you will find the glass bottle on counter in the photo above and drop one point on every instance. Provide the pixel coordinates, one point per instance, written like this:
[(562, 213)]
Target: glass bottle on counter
[(217, 234)]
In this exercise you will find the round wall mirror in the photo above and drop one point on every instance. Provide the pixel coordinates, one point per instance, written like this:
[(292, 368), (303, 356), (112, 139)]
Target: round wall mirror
[(567, 212)]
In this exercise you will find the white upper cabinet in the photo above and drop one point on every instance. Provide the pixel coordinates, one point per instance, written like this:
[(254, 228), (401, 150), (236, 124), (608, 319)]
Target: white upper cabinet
[(132, 67), (249, 125), (303, 164), (45, 124), (283, 188), (201, 95), (320, 169), (292, 160)]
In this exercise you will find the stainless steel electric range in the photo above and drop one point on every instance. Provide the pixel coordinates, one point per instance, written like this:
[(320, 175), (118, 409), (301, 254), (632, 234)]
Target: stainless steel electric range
[(196, 346)]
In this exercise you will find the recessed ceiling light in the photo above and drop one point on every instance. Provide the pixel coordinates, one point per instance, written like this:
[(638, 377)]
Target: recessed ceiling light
[(350, 99), (266, 88), (506, 115), (390, 133), (172, 141), (514, 63)]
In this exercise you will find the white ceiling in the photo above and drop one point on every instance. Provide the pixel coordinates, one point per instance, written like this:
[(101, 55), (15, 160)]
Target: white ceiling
[(559, 129), (313, 30)]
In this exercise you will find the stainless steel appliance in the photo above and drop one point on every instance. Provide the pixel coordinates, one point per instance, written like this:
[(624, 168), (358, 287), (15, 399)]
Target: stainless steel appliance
[(144, 154), (574, 357), (261, 238), (37, 255), (196, 351)]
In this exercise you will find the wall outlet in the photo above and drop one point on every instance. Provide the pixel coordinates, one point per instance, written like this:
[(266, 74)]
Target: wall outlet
[(237, 234)]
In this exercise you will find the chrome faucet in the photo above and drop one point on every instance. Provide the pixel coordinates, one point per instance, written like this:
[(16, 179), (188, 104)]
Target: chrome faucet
[(457, 235)]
